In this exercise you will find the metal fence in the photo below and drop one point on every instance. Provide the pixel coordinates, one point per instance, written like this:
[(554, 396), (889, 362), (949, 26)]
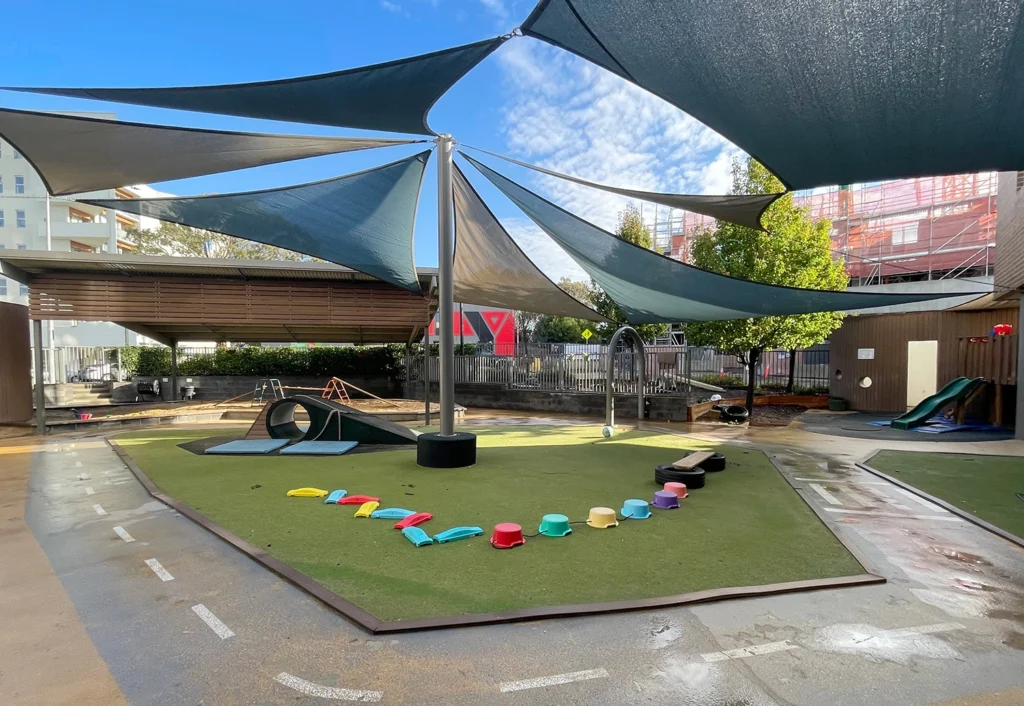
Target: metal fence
[(669, 369), (78, 364)]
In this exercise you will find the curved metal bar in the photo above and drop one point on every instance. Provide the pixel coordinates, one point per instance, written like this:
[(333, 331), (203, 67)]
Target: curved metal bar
[(609, 399)]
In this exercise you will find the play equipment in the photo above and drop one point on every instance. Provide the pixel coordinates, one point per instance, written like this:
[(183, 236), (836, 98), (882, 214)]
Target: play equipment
[(666, 500), (366, 509), (554, 525), (417, 518), (334, 497), (507, 535), (358, 500), (679, 489), (602, 518), (714, 464), (954, 391), (331, 421), (692, 460), (456, 450), (320, 448), (455, 534), (247, 446), (636, 509), (392, 513), (669, 474), (733, 413), (307, 493), (607, 432), (417, 536)]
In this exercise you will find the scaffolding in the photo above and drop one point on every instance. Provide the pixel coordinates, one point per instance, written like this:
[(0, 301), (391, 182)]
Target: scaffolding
[(905, 230)]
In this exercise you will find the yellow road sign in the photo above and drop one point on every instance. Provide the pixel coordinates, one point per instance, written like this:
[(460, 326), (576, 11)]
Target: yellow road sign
[(587, 333)]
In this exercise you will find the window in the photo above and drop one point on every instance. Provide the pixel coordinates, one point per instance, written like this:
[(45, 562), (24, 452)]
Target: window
[(17, 154), (19, 217), (1, 185), (22, 246), (19, 185), (1020, 181), (23, 290), (1, 218), (904, 234)]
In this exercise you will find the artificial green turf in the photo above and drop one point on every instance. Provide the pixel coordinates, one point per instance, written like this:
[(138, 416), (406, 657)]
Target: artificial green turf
[(985, 486), (746, 527)]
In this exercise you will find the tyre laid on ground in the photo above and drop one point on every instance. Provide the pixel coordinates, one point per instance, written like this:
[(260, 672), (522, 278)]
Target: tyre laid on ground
[(734, 413), (667, 474), (714, 464)]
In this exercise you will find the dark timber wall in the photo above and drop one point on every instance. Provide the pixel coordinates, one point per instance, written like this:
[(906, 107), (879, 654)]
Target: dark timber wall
[(15, 364)]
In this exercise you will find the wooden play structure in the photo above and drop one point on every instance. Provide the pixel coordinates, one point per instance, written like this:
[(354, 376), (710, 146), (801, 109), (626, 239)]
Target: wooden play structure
[(993, 358)]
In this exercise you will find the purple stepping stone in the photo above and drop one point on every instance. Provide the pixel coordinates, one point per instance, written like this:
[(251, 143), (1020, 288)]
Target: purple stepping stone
[(666, 500)]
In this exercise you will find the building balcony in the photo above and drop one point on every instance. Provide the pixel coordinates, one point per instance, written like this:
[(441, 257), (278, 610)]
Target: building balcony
[(92, 234)]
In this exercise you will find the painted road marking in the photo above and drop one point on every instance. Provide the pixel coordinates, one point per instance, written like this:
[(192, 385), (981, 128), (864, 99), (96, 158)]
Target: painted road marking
[(922, 630), (78, 464), (872, 513), (554, 680), (886, 499), (123, 534), (857, 497), (159, 570), (89, 490), (326, 692), (222, 630), (83, 476), (99, 510), (829, 497), (753, 651), (830, 481), (920, 501)]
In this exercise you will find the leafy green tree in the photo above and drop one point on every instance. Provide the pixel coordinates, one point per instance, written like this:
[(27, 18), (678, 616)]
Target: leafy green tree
[(184, 241), (631, 227), (794, 251), (565, 329)]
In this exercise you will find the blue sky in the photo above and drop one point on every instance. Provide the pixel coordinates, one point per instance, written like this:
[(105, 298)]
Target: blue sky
[(527, 100)]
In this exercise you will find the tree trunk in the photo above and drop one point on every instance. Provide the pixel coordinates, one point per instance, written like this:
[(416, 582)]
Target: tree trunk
[(792, 371), (753, 357)]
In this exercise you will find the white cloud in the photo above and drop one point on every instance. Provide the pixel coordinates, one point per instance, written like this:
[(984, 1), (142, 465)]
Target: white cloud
[(390, 6), (548, 257), (569, 115), (496, 7)]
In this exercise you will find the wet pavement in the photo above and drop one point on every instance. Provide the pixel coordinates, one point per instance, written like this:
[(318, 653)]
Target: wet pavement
[(948, 625)]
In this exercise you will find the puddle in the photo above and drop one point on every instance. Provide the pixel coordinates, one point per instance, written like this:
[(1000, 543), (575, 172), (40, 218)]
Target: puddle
[(664, 634), (877, 645), (691, 683), (1015, 640), (964, 557)]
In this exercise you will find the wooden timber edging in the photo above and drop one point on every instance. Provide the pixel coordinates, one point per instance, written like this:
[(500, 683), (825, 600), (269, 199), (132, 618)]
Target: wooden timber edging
[(963, 514), (374, 625), (694, 411)]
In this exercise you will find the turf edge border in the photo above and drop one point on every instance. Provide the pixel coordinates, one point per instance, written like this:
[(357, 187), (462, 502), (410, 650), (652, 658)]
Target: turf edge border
[(963, 514), (372, 624)]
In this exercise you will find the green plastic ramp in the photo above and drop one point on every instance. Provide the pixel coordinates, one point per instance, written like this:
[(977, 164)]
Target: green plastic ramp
[(954, 391)]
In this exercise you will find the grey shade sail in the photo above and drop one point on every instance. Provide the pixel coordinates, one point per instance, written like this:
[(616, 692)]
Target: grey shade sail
[(75, 154), (741, 209), (491, 270), (651, 288), (821, 92), (393, 97), (363, 220)]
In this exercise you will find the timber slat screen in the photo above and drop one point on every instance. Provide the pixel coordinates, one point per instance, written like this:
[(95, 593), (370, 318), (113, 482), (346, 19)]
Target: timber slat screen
[(373, 312), (991, 357)]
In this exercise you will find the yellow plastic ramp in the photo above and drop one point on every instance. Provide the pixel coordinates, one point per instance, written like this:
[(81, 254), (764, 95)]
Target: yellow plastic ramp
[(365, 509), (307, 493)]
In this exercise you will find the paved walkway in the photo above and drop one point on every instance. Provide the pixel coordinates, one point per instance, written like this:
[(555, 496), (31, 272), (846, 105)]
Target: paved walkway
[(175, 616)]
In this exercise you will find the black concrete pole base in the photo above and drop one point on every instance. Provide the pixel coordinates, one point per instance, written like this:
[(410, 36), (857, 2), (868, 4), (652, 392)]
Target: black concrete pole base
[(455, 451)]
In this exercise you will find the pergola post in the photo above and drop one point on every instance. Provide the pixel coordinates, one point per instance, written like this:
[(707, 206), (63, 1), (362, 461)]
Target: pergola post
[(37, 336), (445, 295), (174, 370)]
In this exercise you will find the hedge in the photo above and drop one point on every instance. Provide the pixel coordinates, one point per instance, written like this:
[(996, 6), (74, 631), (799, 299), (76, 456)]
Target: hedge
[(317, 362)]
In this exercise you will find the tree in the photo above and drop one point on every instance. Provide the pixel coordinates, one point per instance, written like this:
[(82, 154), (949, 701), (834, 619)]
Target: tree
[(565, 329), (631, 228), (184, 241), (794, 251), (526, 323)]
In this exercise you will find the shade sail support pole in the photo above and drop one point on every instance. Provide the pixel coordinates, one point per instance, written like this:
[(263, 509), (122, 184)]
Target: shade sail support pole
[(445, 250)]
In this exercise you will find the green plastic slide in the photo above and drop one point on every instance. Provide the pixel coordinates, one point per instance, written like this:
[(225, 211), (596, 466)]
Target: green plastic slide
[(954, 391)]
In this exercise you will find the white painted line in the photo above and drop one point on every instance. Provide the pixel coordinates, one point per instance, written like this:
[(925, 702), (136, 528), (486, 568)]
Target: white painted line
[(89, 490), (508, 686), (831, 481), (922, 630), (123, 534), (78, 464), (326, 692), (920, 501), (829, 497), (159, 570), (83, 476), (872, 513), (222, 630), (857, 497), (99, 510), (753, 651), (886, 499)]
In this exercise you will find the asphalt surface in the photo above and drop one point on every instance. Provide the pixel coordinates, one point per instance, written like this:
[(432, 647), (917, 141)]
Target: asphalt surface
[(949, 624)]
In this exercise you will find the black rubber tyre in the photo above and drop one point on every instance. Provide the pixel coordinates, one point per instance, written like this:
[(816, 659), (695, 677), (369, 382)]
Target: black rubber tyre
[(734, 413), (667, 474), (714, 464), (455, 451)]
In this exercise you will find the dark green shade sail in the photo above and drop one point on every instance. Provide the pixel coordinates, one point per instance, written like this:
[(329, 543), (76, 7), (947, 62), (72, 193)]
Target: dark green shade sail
[(651, 288), (393, 97), (364, 220), (741, 209), (74, 154), (822, 92)]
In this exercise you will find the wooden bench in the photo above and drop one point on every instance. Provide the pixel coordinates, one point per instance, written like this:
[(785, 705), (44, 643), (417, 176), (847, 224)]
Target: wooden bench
[(688, 463)]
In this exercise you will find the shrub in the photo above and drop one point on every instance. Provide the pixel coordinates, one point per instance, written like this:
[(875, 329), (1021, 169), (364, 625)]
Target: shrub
[(720, 380)]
